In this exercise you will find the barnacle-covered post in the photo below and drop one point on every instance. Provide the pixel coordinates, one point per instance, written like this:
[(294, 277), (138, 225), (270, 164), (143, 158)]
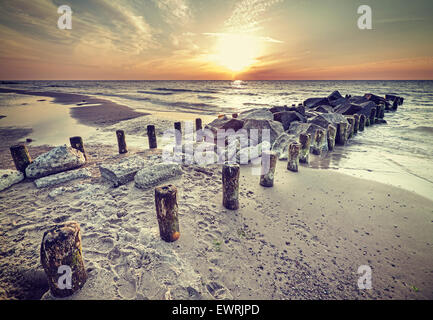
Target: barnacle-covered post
[(305, 141), (332, 131), (178, 133), (293, 163), (230, 179), (269, 161), (151, 136), (121, 141), (341, 133), (362, 120), (167, 212), (62, 259), (21, 157), (77, 143)]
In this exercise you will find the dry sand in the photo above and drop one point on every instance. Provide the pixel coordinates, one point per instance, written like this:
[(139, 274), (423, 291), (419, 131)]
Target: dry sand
[(302, 239)]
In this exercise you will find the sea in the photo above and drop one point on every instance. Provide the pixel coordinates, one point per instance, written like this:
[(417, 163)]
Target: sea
[(398, 153)]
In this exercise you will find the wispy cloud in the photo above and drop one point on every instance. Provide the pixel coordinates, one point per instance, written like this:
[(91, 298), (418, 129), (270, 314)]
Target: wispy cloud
[(174, 12), (247, 14)]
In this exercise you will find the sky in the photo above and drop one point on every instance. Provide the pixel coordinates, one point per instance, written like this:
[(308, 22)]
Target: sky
[(216, 39)]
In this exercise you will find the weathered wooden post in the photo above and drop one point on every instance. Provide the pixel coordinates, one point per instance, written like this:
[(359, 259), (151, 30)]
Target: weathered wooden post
[(62, 259), (318, 141), (341, 133), (351, 127), (305, 141), (167, 212), (356, 128), (77, 143), (332, 131), (293, 163), (372, 116), (121, 141), (269, 161), (230, 178), (21, 157), (198, 130), (178, 132), (151, 136), (362, 120)]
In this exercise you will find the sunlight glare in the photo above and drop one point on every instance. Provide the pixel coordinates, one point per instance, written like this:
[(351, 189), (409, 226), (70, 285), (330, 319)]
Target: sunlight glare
[(237, 52)]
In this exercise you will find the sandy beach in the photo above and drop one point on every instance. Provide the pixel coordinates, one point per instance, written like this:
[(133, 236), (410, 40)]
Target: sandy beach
[(302, 239)]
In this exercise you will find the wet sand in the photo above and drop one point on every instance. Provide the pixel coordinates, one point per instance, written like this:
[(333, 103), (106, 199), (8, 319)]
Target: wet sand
[(101, 112)]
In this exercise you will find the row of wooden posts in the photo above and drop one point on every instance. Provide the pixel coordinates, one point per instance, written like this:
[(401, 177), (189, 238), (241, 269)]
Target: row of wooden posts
[(21, 156)]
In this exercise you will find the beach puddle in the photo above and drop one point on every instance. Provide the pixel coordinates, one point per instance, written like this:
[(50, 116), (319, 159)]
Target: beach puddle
[(51, 122)]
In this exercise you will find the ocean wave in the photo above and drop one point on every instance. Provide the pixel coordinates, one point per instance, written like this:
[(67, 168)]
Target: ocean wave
[(424, 129), (207, 97), (185, 90), (157, 93)]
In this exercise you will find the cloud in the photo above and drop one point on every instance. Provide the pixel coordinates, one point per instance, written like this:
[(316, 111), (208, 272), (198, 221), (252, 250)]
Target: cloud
[(247, 13), (174, 12)]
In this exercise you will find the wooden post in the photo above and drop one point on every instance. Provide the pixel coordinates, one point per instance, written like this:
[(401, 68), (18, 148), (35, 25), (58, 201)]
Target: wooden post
[(62, 259), (230, 178), (198, 130), (332, 131), (121, 141), (305, 141), (167, 212), (372, 116), (151, 136), (318, 141), (356, 128), (21, 157), (351, 127), (362, 120), (269, 161), (77, 143), (341, 133), (293, 163), (178, 133)]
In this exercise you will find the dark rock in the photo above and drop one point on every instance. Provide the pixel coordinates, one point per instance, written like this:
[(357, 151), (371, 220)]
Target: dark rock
[(325, 119), (225, 123), (374, 98), (366, 108), (287, 117), (324, 109), (315, 102), (348, 109), (335, 96), (256, 114)]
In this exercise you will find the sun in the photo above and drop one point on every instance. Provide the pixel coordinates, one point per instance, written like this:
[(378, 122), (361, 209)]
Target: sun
[(237, 52)]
